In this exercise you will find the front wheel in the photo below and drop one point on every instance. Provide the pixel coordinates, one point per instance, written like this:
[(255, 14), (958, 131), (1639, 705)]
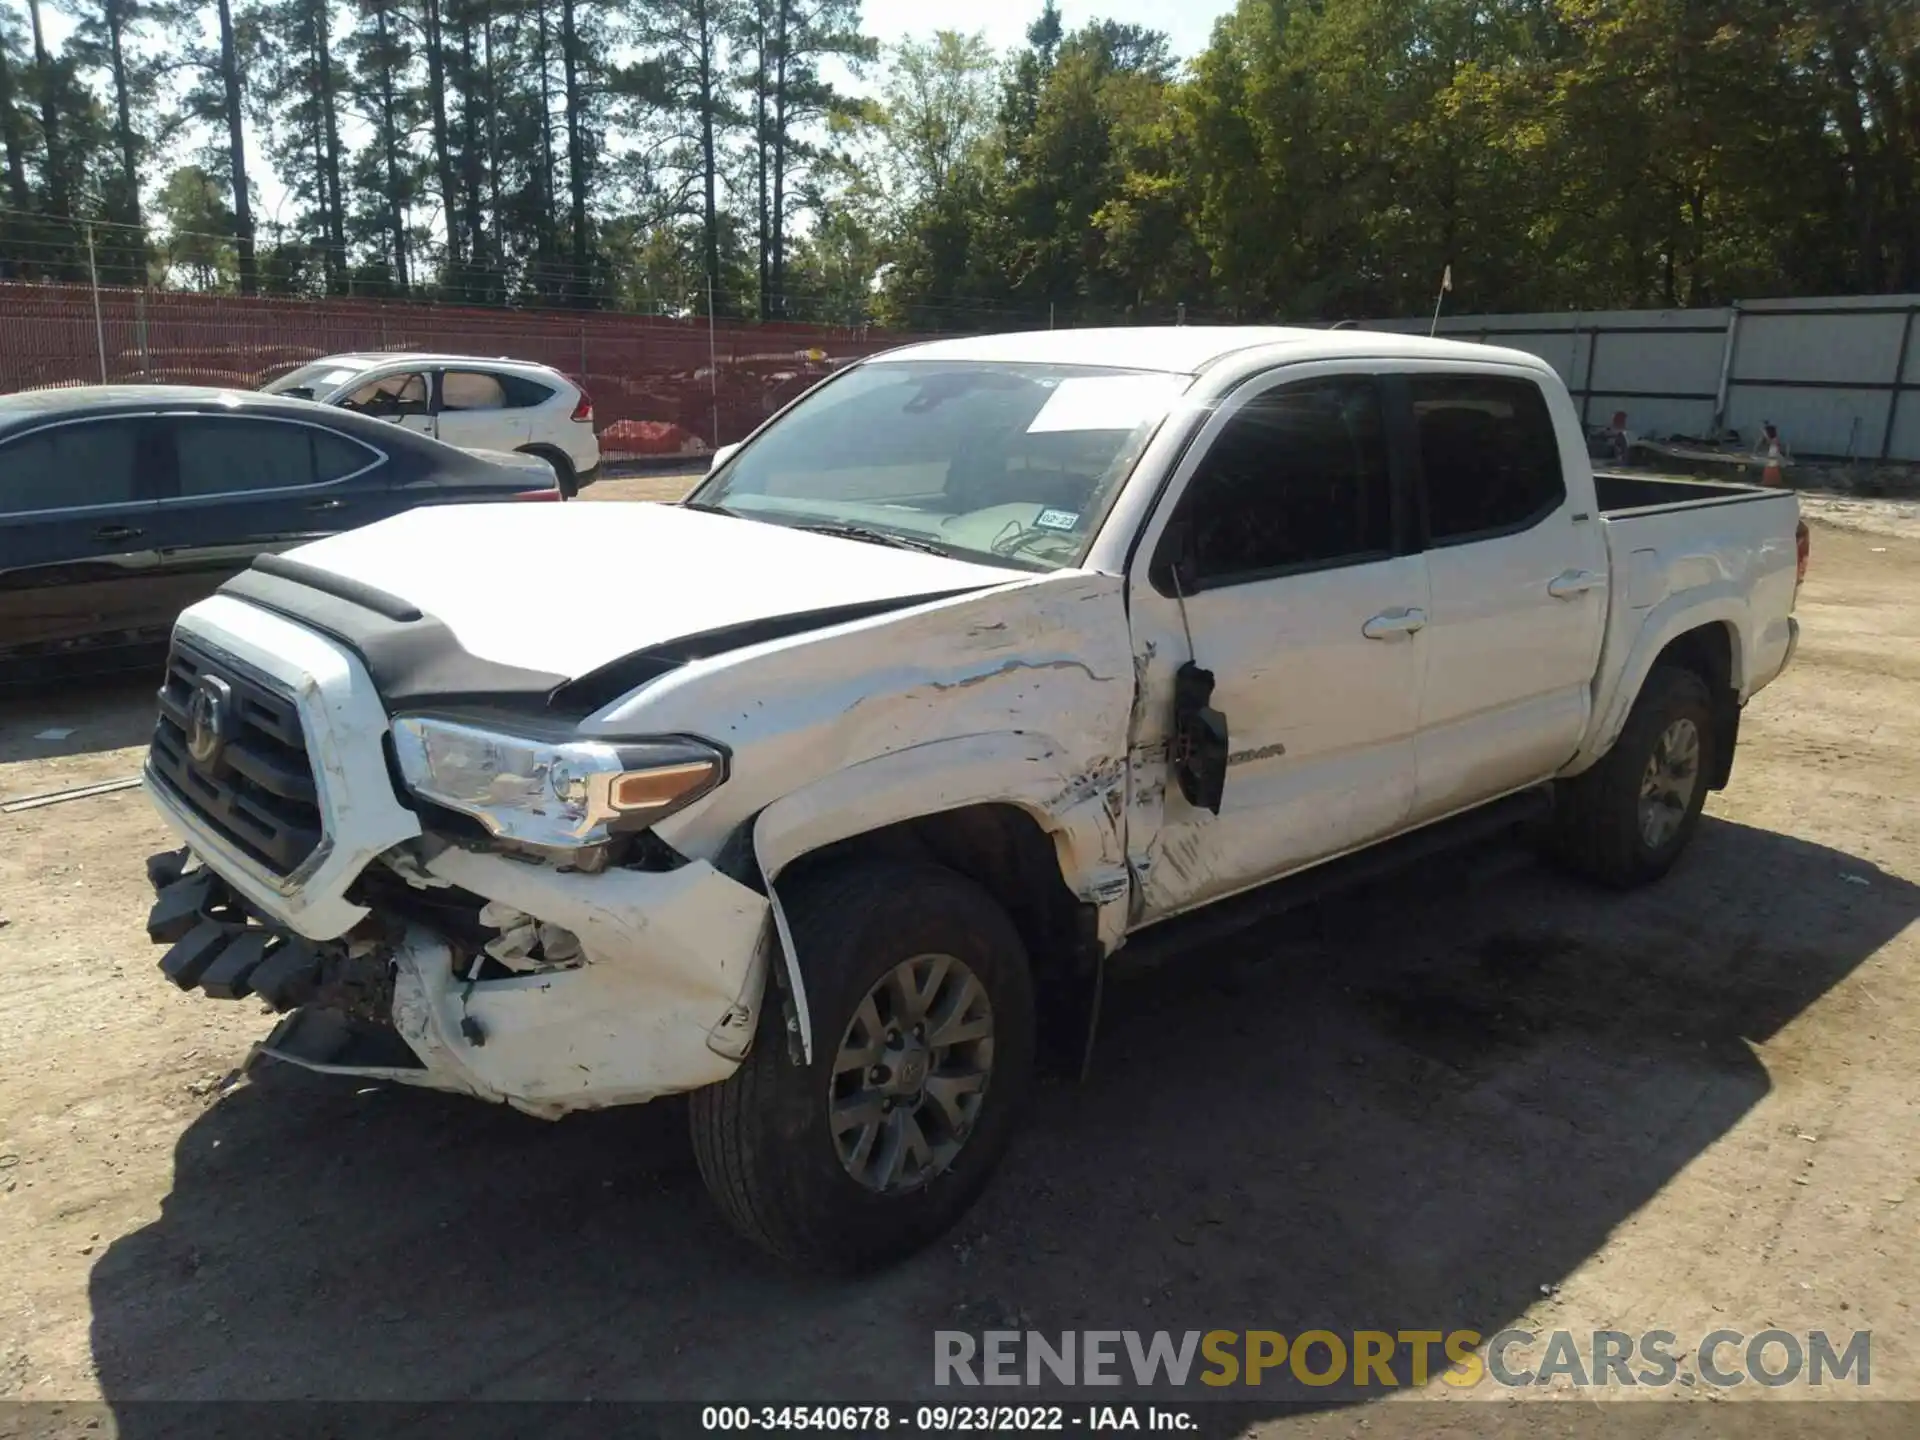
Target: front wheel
[(1625, 821), (923, 1036)]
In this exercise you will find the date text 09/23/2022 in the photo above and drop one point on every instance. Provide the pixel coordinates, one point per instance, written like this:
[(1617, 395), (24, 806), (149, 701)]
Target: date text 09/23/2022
[(945, 1419)]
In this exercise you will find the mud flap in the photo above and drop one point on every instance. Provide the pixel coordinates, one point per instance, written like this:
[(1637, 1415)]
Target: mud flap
[(1069, 988)]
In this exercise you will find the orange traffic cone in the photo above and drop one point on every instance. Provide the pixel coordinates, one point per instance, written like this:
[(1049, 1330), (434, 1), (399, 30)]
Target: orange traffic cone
[(1775, 451)]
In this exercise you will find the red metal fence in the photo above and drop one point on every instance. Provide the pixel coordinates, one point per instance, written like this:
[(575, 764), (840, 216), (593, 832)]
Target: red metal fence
[(659, 387)]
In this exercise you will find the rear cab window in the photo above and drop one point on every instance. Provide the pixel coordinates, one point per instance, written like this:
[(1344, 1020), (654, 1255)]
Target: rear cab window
[(1489, 453)]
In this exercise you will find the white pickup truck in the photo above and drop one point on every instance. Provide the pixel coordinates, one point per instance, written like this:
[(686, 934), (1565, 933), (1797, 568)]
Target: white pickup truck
[(826, 794)]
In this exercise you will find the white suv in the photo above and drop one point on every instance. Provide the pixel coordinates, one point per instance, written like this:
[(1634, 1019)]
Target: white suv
[(464, 400)]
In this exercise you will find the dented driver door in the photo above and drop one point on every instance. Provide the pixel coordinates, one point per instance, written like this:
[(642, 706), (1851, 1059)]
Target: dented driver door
[(1281, 563)]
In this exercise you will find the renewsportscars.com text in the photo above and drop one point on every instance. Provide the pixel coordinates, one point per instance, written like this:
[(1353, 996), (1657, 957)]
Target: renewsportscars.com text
[(1384, 1359)]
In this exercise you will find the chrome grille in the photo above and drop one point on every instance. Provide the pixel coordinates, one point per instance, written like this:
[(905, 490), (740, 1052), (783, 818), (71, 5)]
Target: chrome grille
[(256, 787)]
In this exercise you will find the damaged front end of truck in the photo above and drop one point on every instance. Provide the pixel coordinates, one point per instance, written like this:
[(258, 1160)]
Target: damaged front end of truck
[(643, 983), (461, 906)]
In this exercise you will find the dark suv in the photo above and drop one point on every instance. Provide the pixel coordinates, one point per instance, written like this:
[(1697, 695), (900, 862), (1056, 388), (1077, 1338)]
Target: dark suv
[(122, 505)]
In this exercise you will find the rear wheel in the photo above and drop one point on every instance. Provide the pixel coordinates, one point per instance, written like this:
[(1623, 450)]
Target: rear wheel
[(1626, 821), (922, 1009)]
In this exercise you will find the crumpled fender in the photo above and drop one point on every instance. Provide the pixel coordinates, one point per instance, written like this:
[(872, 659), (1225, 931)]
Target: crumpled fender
[(1081, 810)]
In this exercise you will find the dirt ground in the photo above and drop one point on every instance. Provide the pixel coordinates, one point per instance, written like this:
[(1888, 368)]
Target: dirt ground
[(1517, 1102)]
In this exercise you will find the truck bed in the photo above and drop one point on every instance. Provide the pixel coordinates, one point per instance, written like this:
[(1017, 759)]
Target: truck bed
[(1620, 493), (1701, 545)]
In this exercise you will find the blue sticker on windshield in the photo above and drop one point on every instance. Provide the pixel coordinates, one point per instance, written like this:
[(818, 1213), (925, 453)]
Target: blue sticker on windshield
[(1057, 519)]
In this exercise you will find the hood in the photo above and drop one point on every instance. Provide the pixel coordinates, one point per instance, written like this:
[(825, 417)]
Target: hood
[(567, 589)]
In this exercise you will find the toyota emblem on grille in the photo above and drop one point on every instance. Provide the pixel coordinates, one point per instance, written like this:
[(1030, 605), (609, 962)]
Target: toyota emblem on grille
[(209, 712)]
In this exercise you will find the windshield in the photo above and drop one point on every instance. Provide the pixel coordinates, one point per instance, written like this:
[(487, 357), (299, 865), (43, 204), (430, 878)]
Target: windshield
[(310, 381), (1008, 464)]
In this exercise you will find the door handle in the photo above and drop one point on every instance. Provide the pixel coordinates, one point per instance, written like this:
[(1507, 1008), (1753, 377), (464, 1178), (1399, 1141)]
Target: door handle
[(1574, 583), (1395, 625), (110, 534), (328, 505)]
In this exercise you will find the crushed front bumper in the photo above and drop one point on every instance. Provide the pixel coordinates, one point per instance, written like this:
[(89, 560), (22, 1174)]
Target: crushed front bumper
[(666, 996), (663, 994)]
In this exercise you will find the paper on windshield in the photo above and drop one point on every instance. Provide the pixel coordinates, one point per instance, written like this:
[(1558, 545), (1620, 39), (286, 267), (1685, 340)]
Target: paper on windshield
[(1106, 402)]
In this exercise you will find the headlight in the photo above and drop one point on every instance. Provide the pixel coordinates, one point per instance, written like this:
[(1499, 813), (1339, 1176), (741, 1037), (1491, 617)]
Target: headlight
[(559, 794)]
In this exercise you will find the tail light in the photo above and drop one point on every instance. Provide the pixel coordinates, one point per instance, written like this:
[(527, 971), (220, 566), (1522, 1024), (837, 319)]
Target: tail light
[(1803, 549), (552, 493), (583, 408)]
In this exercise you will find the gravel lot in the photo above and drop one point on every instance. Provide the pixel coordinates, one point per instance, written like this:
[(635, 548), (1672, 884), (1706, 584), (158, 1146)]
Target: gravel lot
[(1517, 1102)]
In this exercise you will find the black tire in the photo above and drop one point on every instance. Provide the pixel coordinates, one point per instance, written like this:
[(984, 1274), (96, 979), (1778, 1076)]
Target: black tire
[(1597, 829), (762, 1137), (563, 475)]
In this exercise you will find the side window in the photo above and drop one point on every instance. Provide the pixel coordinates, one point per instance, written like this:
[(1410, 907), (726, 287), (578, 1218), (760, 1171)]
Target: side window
[(70, 466), (335, 456), (1490, 453), (522, 393), (471, 390), (1297, 480), (389, 397), (222, 457)]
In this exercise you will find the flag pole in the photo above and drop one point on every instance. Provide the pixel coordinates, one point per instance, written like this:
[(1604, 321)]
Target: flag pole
[(1446, 284)]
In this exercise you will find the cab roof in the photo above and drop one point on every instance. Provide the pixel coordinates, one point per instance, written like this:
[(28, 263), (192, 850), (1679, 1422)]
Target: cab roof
[(1191, 349)]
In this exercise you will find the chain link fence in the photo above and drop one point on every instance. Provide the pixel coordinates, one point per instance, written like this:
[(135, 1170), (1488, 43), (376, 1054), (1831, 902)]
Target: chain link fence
[(660, 387)]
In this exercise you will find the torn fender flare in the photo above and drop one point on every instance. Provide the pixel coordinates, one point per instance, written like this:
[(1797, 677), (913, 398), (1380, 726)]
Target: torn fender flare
[(674, 970), (1077, 805)]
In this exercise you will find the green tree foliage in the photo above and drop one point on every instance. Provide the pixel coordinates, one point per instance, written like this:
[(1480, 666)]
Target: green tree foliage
[(1051, 187), (216, 101), (300, 87), (385, 178), (782, 45), (115, 39), (1576, 153), (56, 136), (938, 160), (1320, 159), (685, 76), (17, 225), (193, 209)]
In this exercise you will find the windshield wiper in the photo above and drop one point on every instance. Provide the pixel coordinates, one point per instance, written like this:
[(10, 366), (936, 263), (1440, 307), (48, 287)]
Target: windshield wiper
[(872, 536), (842, 529)]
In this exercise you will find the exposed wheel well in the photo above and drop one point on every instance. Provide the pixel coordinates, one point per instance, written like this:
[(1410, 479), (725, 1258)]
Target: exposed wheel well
[(559, 459), (1708, 653), (1004, 850)]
